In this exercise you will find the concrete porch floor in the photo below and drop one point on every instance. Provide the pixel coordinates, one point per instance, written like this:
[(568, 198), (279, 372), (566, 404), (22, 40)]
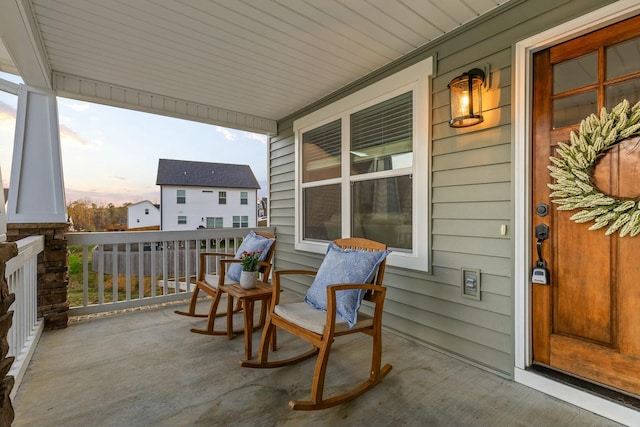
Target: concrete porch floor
[(145, 368)]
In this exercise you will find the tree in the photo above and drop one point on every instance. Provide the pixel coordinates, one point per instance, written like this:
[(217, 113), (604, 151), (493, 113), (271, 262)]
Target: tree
[(88, 216)]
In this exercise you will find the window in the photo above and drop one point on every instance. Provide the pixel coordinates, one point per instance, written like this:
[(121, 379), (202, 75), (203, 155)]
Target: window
[(214, 222), (244, 198), (146, 211), (363, 169), (181, 197), (240, 221), (182, 219), (222, 197)]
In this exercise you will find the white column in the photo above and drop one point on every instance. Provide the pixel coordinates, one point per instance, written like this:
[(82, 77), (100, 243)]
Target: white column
[(36, 190)]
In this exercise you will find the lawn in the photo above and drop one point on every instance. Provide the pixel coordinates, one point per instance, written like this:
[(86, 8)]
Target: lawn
[(76, 288)]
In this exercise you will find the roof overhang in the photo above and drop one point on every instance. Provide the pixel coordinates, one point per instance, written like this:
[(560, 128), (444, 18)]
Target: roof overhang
[(242, 65)]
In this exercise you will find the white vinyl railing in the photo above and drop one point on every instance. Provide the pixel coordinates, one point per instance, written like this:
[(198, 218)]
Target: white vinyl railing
[(149, 267), (22, 278)]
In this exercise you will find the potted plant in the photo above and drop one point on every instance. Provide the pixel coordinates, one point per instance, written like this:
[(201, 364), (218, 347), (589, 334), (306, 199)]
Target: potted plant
[(249, 273)]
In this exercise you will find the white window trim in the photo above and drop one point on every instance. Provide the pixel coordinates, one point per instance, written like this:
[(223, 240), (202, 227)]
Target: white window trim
[(416, 78)]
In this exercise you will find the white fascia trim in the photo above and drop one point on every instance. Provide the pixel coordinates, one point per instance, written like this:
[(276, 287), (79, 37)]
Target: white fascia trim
[(522, 78), (133, 99), (22, 40), (9, 87)]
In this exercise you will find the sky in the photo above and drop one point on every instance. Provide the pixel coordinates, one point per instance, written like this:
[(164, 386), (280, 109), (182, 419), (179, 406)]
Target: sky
[(110, 155)]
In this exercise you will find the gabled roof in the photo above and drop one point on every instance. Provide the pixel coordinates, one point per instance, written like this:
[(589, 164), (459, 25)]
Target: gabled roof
[(147, 202), (204, 174)]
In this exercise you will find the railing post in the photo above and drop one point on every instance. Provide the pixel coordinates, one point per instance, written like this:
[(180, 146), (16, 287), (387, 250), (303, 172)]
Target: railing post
[(7, 251)]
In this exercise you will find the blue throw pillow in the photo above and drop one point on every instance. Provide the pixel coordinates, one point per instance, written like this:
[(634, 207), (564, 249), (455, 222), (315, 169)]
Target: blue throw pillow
[(342, 266), (253, 242)]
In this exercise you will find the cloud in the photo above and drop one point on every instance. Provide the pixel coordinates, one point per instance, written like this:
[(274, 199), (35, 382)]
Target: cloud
[(76, 106), (69, 135), (228, 134), (118, 198), (257, 137), (7, 112), (121, 178)]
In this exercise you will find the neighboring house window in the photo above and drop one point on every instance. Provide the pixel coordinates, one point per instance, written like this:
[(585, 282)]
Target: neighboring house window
[(181, 197), (146, 211), (222, 197), (244, 198), (240, 221), (182, 219), (214, 222), (363, 169)]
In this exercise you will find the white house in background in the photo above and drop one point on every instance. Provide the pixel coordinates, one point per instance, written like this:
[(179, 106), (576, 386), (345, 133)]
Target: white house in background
[(143, 215), (206, 195)]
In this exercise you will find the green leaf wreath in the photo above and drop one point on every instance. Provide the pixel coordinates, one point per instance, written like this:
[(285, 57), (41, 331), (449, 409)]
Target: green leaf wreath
[(574, 164)]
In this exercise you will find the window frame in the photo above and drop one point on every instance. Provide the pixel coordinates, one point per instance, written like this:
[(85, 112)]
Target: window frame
[(215, 219), (244, 197), (181, 200), (240, 221), (180, 217), (222, 197), (416, 78)]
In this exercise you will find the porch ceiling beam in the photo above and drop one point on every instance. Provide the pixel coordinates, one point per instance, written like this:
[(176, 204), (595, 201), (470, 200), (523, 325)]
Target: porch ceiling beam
[(120, 96), (21, 38)]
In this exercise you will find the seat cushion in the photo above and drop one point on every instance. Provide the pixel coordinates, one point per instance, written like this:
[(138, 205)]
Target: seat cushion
[(312, 319), (251, 243), (343, 266), (213, 280)]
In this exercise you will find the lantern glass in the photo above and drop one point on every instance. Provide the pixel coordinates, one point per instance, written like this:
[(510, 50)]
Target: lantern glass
[(466, 99)]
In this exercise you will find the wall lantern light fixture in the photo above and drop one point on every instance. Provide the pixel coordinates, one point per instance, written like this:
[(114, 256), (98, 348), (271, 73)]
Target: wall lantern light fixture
[(465, 92)]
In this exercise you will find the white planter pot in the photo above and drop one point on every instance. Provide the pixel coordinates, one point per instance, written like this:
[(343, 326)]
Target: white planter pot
[(248, 279)]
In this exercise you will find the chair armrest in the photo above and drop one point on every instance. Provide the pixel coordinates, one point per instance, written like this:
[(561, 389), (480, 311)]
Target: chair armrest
[(204, 255), (223, 266), (377, 294), (275, 298)]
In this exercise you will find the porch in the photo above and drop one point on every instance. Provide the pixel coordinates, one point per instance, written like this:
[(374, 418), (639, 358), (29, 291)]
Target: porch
[(144, 367)]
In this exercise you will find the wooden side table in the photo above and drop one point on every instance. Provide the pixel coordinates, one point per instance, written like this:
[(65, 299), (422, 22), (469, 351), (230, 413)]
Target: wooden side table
[(248, 297)]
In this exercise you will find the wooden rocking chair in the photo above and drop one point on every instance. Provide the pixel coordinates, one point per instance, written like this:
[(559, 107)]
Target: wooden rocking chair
[(320, 328), (208, 283)]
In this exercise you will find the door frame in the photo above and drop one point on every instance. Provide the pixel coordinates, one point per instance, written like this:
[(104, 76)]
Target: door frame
[(521, 177)]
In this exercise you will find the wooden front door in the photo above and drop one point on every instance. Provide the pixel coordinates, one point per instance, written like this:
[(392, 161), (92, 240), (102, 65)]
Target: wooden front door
[(586, 321)]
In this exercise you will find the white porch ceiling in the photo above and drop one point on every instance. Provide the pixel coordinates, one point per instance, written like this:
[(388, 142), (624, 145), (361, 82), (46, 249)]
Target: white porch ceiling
[(239, 63)]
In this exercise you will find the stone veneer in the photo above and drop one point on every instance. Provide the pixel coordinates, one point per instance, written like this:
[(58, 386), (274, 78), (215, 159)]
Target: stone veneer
[(7, 251), (53, 271)]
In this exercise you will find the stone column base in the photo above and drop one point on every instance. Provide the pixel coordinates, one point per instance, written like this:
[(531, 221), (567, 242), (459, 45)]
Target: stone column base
[(53, 270)]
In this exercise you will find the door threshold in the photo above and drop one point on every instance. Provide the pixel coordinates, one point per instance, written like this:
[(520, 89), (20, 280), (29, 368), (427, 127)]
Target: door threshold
[(587, 386)]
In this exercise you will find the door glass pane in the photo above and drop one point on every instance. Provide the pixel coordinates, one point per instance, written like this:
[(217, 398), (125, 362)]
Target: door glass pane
[(575, 73), (623, 58), (322, 212), (572, 109), (382, 136), (321, 149), (629, 90), (382, 211)]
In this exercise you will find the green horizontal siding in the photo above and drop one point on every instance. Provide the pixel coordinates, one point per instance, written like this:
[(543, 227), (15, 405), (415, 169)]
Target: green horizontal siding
[(471, 193)]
